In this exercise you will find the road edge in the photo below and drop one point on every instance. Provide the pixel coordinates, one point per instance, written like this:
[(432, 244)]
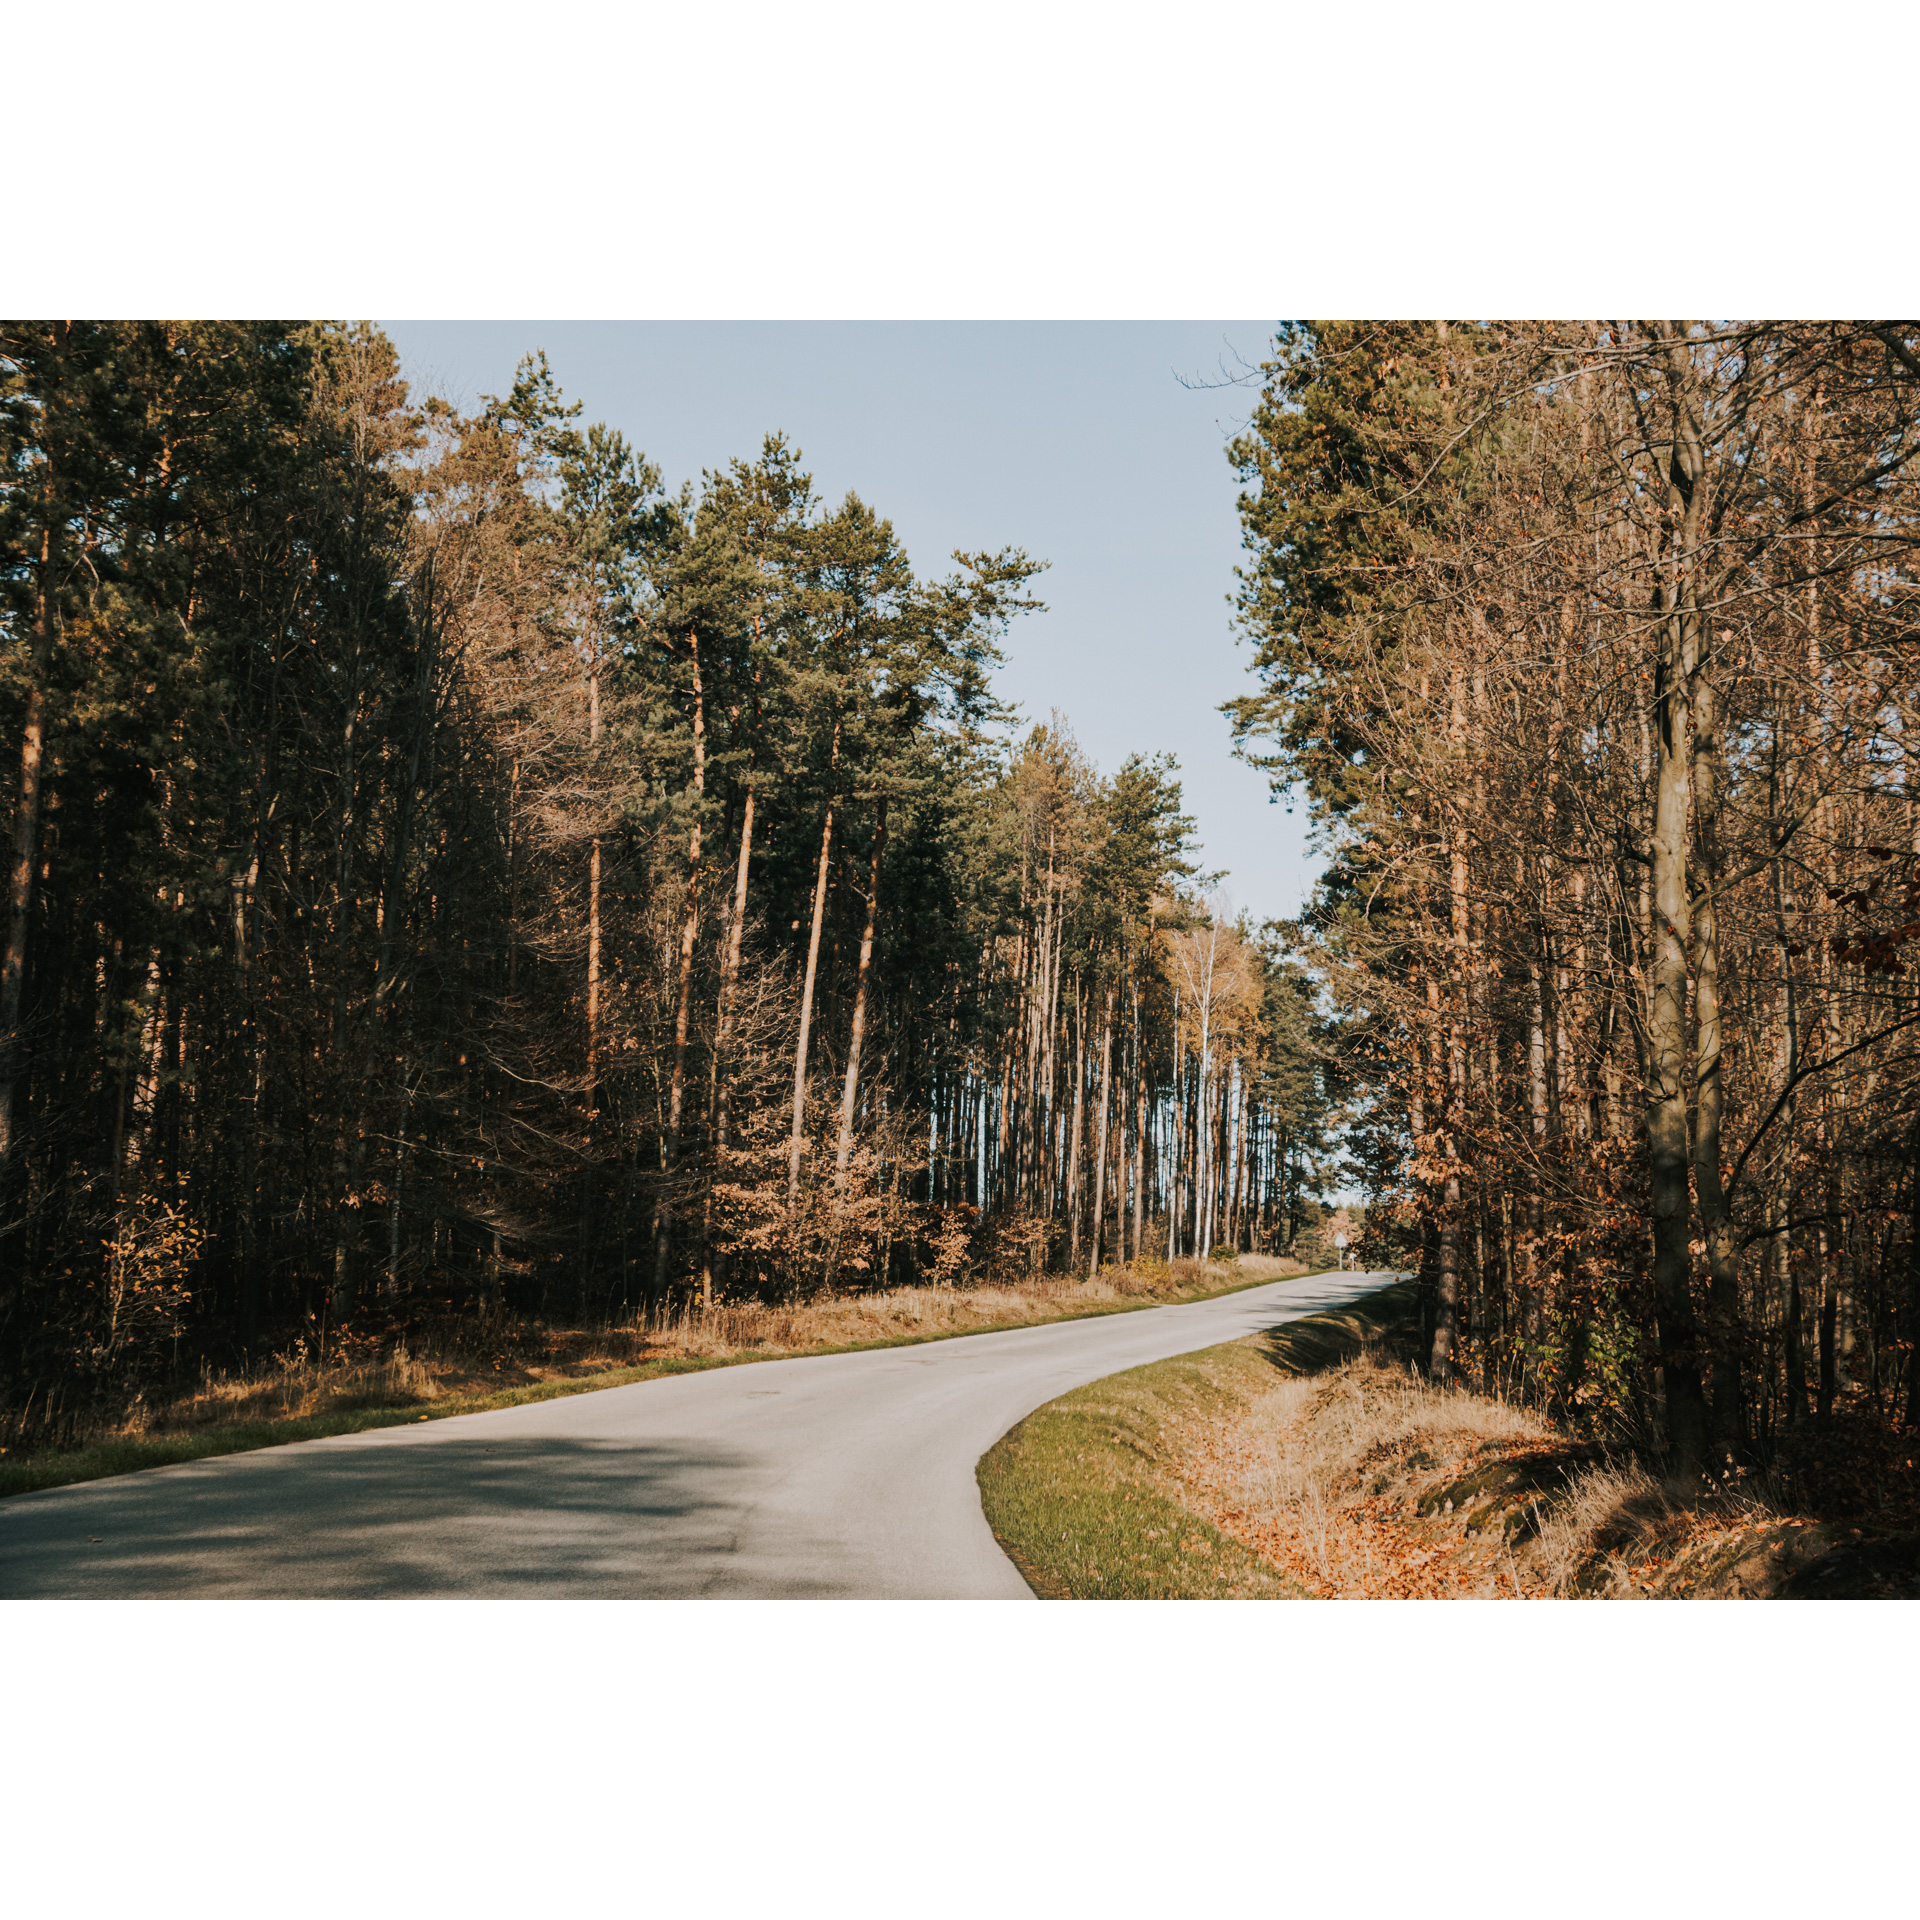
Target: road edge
[(121, 1460)]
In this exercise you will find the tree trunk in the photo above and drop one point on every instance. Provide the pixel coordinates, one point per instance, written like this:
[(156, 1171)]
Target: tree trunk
[(1533, 1306), (1139, 1131), (850, 1093), (1829, 1305), (1078, 1068), (1170, 1172), (1716, 1215), (1447, 1298), (806, 992), (593, 976), (1100, 1137), (1913, 1277), (723, 1039), (683, 1010), (26, 841), (1667, 1141), (1201, 1157)]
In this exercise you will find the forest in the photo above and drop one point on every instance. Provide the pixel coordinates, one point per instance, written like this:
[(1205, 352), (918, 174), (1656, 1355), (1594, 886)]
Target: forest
[(458, 875), (1591, 648)]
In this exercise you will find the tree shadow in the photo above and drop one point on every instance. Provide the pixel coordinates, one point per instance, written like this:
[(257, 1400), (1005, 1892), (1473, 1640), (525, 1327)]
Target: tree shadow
[(487, 1516), (1385, 1322)]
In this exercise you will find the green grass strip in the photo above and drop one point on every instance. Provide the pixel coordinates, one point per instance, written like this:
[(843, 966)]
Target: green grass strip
[(67, 1466), (1078, 1493)]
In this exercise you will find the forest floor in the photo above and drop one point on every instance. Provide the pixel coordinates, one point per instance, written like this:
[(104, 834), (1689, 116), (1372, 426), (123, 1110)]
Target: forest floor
[(1313, 1461), (466, 1365)]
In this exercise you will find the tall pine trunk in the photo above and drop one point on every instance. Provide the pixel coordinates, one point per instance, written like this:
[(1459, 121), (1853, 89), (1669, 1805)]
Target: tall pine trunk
[(806, 991), (850, 1093), (1139, 1130), (1077, 1066), (683, 1007), (1100, 1136), (1669, 1203), (26, 841), (1716, 1214)]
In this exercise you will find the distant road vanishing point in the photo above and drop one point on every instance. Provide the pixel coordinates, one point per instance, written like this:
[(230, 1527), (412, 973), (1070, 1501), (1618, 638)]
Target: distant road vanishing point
[(846, 1476)]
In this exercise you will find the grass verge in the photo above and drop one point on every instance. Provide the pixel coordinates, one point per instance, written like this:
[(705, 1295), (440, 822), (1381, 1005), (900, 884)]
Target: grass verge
[(1084, 1495), (121, 1454), (1314, 1461)]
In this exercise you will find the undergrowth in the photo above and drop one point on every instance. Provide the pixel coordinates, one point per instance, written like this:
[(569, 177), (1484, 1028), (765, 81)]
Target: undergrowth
[(1317, 1460)]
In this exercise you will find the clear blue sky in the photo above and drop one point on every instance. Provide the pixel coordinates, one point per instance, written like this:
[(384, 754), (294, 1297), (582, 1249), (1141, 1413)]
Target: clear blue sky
[(1075, 440)]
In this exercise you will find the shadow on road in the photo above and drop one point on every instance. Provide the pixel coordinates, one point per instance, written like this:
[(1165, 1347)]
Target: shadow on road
[(481, 1516)]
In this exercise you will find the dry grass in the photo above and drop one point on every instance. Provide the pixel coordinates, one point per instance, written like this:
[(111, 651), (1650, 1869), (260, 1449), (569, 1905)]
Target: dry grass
[(1086, 1496), (1314, 1460), (290, 1387), (1366, 1482), (857, 1319), (1618, 1533), (1303, 1476), (463, 1364)]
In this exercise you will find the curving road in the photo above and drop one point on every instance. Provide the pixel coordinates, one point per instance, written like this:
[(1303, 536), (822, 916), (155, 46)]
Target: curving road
[(846, 1476)]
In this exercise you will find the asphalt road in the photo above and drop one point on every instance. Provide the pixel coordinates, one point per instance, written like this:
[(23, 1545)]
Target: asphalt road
[(846, 1476)]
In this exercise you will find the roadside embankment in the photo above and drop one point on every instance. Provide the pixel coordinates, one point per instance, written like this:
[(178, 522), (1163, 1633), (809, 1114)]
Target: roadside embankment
[(1089, 1496), (1314, 1461)]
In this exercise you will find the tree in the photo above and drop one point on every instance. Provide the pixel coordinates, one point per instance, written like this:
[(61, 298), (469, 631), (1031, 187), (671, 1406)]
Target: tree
[(1549, 640)]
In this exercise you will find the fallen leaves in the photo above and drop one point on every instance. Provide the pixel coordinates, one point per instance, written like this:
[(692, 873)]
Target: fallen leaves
[(1345, 1544)]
